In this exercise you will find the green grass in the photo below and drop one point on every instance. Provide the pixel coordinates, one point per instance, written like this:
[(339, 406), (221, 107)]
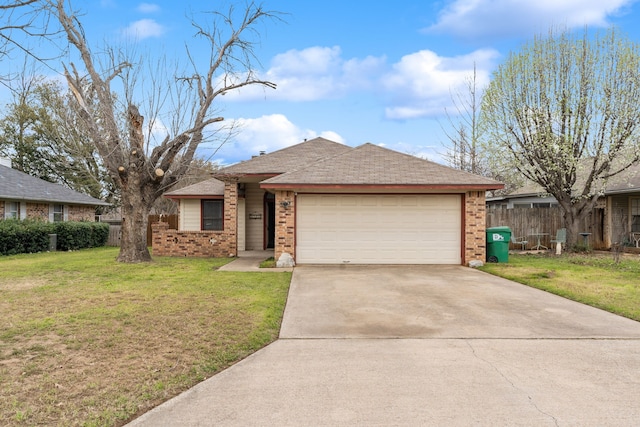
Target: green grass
[(268, 263), (85, 340), (596, 280)]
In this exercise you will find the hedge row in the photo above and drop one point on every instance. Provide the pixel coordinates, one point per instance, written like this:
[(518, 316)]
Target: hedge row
[(29, 236)]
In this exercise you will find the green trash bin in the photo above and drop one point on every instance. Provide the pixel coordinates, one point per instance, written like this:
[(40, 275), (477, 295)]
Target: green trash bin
[(498, 244)]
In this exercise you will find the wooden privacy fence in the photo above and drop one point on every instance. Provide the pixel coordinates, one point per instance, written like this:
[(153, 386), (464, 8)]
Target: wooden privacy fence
[(524, 222), (114, 235), (115, 231)]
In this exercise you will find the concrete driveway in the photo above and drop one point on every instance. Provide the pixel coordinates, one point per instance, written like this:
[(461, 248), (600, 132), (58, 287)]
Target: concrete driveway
[(429, 345)]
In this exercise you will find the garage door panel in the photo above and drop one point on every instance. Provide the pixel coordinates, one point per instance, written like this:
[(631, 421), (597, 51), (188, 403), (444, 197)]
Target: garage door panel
[(377, 229)]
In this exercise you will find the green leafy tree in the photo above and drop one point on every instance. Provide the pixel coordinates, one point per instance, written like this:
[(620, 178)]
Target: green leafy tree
[(564, 111), (43, 137)]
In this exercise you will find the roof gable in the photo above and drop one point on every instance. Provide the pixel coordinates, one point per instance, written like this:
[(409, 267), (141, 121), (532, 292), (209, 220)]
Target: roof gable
[(372, 165), (16, 185), (209, 187), (286, 159)]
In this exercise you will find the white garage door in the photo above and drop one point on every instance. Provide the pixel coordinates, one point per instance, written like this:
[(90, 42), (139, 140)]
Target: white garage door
[(376, 229)]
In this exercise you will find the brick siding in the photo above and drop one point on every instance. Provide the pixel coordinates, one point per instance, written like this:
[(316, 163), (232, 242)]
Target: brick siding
[(41, 211), (231, 216), (475, 227), (201, 244), (38, 211), (285, 223), (81, 213)]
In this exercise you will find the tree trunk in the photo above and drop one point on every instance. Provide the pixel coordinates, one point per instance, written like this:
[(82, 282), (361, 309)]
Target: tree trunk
[(572, 224), (135, 217), (573, 216)]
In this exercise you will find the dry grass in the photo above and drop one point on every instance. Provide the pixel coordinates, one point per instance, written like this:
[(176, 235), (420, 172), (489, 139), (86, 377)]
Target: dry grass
[(87, 341)]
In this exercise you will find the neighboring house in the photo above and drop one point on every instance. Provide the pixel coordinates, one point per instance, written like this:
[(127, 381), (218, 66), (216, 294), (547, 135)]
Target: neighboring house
[(616, 215), (326, 203), (23, 196)]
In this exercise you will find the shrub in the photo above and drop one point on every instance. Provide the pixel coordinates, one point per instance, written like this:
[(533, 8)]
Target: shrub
[(30, 236), (81, 235)]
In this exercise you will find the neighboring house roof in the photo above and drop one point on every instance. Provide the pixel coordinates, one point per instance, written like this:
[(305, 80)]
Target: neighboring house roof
[(625, 182), (286, 159), (208, 188), (16, 185), (372, 165)]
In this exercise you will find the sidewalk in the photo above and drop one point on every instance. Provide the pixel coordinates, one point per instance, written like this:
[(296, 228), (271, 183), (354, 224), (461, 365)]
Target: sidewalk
[(250, 261)]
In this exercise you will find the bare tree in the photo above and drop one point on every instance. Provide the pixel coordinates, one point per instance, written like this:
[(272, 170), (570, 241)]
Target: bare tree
[(564, 112), (22, 22), (466, 133), (141, 168)]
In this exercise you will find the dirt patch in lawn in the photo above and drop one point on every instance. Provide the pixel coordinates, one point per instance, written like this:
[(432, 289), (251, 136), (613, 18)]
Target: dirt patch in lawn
[(22, 284)]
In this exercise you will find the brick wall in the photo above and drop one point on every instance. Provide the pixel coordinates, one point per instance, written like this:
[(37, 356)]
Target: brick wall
[(285, 223), (38, 211), (81, 213), (475, 227), (41, 211), (231, 216), (200, 244)]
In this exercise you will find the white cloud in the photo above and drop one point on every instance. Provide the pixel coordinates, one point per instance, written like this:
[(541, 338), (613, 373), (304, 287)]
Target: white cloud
[(489, 19), (421, 84), (148, 8), (156, 131), (313, 74), (144, 28), (267, 133)]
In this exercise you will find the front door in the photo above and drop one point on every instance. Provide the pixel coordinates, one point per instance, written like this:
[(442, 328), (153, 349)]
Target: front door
[(270, 220)]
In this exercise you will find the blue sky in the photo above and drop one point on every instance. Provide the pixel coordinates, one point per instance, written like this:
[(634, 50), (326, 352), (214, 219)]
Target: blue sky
[(361, 71)]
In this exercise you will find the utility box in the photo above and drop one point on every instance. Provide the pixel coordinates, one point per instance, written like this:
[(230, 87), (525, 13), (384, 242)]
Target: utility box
[(498, 244), (53, 242)]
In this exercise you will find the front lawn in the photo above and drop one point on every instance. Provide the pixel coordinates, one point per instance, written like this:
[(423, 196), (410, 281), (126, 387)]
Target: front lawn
[(85, 340), (595, 280)]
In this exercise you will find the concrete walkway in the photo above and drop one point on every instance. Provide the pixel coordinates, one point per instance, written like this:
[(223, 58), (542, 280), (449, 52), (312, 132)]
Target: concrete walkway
[(250, 261), (424, 346)]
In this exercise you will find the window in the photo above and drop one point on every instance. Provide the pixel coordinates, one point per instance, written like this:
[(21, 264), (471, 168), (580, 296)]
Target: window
[(11, 210), (58, 213), (635, 214), (543, 205), (212, 214)]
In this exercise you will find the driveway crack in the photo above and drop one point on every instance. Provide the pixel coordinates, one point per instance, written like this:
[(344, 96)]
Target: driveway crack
[(503, 376)]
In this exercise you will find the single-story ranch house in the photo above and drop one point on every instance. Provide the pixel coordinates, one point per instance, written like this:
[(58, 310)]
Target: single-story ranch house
[(615, 218), (322, 202), (23, 196)]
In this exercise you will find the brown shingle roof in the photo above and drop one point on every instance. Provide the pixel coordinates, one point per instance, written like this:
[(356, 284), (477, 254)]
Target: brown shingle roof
[(210, 187), (371, 165), (627, 181), (286, 159)]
